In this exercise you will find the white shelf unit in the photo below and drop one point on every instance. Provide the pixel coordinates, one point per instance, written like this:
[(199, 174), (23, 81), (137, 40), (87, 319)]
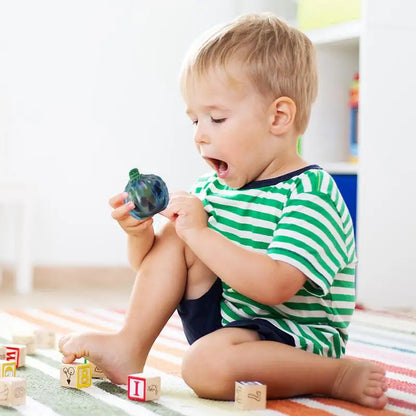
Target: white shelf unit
[(380, 47), (341, 168), (339, 34), (326, 141)]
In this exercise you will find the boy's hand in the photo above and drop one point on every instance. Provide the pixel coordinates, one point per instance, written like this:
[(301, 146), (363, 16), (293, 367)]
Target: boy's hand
[(121, 213), (187, 212)]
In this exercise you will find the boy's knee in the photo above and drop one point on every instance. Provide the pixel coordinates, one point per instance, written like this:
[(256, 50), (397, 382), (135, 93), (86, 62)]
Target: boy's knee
[(205, 370)]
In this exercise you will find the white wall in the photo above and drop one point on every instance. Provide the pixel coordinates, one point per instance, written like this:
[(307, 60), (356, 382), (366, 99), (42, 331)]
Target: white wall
[(387, 198), (88, 90)]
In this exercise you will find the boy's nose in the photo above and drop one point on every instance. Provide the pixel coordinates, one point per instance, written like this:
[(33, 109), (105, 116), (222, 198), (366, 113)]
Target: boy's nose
[(200, 136)]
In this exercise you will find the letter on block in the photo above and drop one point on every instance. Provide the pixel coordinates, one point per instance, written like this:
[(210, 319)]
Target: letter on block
[(76, 375), (143, 388), (16, 352), (12, 391), (96, 372), (250, 395), (25, 339), (7, 368), (45, 338)]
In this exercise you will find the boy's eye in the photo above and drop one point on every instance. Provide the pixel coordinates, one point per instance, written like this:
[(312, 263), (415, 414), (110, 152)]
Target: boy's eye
[(217, 120)]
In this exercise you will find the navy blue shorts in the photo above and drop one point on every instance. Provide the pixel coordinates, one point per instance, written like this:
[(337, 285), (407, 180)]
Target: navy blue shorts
[(203, 315)]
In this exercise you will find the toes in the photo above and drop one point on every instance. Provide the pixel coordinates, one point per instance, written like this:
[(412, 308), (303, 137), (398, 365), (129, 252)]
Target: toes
[(378, 375), (374, 391), (375, 403), (380, 403), (62, 342), (68, 359)]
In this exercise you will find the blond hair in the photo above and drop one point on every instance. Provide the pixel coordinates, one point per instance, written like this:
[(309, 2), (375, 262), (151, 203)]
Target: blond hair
[(277, 59)]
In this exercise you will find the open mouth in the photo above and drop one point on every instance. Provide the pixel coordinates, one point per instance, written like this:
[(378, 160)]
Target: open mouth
[(220, 166)]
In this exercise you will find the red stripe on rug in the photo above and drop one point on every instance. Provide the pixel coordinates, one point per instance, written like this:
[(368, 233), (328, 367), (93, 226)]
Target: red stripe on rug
[(295, 409), (378, 352), (402, 403), (77, 320), (163, 365), (120, 311), (402, 386), (38, 321), (388, 367), (410, 316), (179, 341), (353, 407), (174, 322), (106, 318)]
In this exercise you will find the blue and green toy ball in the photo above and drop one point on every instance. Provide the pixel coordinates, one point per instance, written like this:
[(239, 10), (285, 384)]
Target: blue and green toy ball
[(148, 192)]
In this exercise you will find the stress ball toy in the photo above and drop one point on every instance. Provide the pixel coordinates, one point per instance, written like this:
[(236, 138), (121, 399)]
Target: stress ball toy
[(148, 193)]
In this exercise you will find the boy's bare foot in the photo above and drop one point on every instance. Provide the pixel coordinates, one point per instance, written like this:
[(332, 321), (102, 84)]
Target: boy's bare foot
[(111, 352), (361, 382)]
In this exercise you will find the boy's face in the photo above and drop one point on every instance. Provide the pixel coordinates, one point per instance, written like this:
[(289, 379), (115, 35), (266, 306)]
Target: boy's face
[(232, 126)]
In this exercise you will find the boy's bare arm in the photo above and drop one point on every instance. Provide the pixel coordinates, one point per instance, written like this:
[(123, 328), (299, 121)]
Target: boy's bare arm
[(253, 274), (139, 245), (250, 273), (140, 233)]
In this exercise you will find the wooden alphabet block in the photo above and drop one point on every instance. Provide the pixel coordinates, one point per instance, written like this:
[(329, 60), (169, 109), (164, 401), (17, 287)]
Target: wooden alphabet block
[(2, 352), (76, 375), (143, 388), (250, 395), (16, 352), (45, 338), (97, 372), (12, 391), (7, 368), (25, 339)]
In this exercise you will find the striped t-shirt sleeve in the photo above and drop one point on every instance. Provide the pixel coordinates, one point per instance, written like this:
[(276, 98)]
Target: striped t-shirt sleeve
[(311, 237)]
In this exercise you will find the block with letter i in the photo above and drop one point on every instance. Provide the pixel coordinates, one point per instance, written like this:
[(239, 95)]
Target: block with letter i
[(7, 368), (12, 391), (76, 375), (250, 395), (142, 387), (16, 352)]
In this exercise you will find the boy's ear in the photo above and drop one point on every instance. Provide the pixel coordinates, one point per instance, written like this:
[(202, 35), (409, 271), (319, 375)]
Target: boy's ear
[(282, 115)]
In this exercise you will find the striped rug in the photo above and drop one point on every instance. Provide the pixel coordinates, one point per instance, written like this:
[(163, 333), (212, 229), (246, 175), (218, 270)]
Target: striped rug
[(384, 338)]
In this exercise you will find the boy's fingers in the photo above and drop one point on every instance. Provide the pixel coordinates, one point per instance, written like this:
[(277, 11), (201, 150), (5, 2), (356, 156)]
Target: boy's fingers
[(122, 211), (118, 200)]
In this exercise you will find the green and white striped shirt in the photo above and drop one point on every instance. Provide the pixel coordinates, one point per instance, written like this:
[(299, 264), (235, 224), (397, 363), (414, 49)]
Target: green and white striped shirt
[(301, 219)]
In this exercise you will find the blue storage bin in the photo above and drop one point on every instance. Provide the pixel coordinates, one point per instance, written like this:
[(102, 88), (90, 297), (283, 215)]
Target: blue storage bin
[(347, 184)]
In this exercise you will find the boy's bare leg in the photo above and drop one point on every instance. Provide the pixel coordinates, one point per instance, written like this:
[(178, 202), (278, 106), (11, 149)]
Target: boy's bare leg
[(168, 271), (287, 371)]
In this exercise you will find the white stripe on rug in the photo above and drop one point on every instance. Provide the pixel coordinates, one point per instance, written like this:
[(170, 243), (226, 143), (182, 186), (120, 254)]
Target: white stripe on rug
[(338, 411), (384, 338), (34, 408), (384, 355)]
